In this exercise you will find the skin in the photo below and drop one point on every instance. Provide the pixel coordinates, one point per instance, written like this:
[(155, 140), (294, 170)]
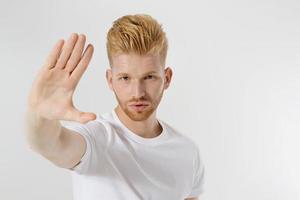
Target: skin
[(52, 90), (138, 78)]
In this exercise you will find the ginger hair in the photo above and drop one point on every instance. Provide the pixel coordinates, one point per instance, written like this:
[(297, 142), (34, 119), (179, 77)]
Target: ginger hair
[(140, 34)]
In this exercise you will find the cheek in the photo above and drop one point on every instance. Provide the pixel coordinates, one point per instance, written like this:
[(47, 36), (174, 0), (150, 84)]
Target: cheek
[(121, 91), (155, 89), (117, 86)]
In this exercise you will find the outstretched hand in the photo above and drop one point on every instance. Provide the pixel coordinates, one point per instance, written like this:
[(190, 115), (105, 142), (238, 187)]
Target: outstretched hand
[(53, 88)]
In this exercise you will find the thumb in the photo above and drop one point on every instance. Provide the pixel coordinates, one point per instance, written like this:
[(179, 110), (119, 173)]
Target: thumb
[(83, 117), (86, 117)]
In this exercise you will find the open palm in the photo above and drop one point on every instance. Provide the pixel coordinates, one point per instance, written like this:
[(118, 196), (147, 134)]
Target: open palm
[(53, 88)]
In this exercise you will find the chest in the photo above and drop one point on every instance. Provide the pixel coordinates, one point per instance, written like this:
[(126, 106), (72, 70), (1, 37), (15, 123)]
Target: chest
[(162, 170)]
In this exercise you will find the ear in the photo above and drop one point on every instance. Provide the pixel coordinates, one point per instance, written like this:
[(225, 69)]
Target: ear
[(109, 78), (168, 77)]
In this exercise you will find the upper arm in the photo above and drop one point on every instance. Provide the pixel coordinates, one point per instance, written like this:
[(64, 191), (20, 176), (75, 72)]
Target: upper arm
[(198, 176), (193, 198), (68, 150)]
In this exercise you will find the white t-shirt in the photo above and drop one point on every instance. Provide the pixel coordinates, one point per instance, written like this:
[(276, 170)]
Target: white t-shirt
[(121, 165)]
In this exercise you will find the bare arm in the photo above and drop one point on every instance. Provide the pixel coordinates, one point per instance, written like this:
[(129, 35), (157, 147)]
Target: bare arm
[(50, 100), (61, 146)]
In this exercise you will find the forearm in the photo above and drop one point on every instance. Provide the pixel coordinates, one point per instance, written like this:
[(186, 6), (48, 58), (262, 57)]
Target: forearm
[(41, 133)]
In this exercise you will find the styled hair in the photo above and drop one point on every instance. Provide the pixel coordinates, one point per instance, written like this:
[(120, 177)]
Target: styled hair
[(140, 34)]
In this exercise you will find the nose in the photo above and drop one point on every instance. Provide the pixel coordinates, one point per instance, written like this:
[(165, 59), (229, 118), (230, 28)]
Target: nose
[(138, 89)]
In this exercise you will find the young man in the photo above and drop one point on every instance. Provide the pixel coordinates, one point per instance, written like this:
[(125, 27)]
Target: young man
[(127, 153)]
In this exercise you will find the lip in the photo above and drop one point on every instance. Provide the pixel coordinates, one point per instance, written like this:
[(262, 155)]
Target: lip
[(138, 107), (138, 104)]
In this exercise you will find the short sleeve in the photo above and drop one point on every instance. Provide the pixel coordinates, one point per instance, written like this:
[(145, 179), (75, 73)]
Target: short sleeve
[(94, 134), (199, 174), (83, 163)]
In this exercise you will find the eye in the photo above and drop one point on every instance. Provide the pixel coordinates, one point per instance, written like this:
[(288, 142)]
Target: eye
[(149, 77), (124, 78)]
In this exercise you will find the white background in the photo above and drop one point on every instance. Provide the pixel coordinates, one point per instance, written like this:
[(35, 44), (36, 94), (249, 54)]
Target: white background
[(235, 89)]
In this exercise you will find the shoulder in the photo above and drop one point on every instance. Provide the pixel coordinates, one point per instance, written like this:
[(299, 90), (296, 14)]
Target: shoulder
[(180, 137), (93, 127)]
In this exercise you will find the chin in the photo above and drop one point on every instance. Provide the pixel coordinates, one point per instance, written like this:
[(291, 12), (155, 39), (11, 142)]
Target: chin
[(138, 115)]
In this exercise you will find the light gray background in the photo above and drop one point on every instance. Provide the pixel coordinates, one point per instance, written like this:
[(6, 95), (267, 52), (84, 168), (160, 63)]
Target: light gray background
[(235, 89)]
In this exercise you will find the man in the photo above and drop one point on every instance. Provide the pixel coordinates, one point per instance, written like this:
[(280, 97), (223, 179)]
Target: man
[(127, 153)]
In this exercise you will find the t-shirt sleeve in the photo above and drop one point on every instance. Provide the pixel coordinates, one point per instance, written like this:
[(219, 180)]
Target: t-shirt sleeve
[(198, 178), (94, 134)]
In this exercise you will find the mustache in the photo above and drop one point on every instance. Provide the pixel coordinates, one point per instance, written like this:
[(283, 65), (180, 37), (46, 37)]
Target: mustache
[(135, 100)]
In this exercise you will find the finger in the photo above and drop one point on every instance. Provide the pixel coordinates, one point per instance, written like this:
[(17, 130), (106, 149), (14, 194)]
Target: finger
[(82, 117), (82, 65), (67, 50), (76, 54), (86, 117), (54, 54)]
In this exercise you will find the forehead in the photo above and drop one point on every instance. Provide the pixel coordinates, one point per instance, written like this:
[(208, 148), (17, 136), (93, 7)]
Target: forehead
[(134, 63)]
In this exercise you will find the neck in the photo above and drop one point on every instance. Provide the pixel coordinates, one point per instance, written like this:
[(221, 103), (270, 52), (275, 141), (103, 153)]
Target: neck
[(148, 128)]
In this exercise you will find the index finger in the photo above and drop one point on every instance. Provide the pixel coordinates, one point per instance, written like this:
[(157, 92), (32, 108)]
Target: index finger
[(84, 62), (54, 54)]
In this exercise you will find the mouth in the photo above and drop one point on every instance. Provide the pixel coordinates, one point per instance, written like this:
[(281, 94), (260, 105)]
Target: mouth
[(138, 107), (138, 104)]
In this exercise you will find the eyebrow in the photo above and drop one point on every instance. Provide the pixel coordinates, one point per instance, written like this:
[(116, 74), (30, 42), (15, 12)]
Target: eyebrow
[(123, 74)]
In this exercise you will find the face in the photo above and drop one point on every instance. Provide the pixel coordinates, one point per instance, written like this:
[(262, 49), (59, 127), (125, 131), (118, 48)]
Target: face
[(138, 83)]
